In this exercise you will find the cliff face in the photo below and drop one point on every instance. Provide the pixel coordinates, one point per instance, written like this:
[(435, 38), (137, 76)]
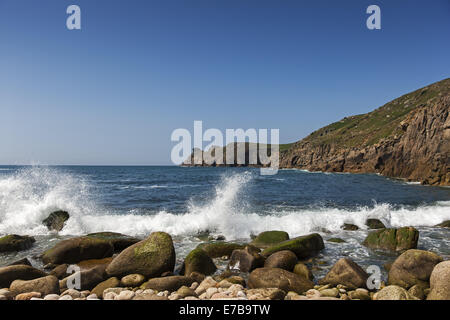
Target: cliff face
[(406, 138)]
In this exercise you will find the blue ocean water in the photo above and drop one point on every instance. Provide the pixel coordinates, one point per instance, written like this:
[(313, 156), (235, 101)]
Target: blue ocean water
[(233, 202)]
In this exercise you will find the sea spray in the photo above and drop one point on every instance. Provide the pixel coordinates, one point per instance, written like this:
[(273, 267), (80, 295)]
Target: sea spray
[(29, 194)]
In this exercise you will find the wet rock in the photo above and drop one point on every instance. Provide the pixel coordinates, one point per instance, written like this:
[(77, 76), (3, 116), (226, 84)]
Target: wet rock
[(398, 240), (14, 242), (198, 261), (77, 249), (23, 261), (92, 263), (150, 257), (349, 227), (336, 240), (303, 247), (45, 285), (185, 291), (268, 238), (246, 260), (375, 224), (278, 278), (347, 273), (22, 272), (219, 249), (440, 282), (413, 267), (56, 220), (284, 259)]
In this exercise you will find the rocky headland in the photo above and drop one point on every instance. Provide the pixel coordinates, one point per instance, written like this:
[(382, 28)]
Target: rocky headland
[(407, 138)]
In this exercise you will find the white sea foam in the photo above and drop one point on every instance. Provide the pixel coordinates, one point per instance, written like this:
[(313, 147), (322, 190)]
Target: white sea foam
[(28, 196)]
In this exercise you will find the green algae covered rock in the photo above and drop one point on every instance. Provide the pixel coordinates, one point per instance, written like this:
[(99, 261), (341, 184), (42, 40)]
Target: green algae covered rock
[(150, 257), (303, 247), (398, 240), (268, 238), (198, 261)]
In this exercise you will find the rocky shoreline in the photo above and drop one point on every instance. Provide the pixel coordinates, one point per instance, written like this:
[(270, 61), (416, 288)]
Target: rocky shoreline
[(273, 266)]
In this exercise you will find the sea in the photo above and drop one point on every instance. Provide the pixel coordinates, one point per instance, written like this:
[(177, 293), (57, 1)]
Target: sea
[(235, 203)]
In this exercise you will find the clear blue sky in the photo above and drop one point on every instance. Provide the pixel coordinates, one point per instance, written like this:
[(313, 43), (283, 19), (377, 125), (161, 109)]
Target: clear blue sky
[(113, 92)]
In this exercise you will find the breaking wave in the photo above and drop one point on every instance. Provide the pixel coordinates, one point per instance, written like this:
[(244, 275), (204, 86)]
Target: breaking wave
[(30, 194)]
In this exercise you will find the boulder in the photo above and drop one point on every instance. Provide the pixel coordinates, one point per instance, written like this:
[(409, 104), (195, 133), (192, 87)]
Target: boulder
[(45, 285), (198, 261), (56, 220), (77, 249), (246, 260), (349, 227), (440, 282), (398, 240), (284, 259), (445, 224), (303, 247), (219, 249), (375, 224), (171, 283), (413, 267), (23, 261), (269, 238), (88, 278), (393, 293), (132, 280), (346, 272), (14, 242), (278, 278), (18, 272), (150, 257), (303, 271), (118, 240), (112, 282)]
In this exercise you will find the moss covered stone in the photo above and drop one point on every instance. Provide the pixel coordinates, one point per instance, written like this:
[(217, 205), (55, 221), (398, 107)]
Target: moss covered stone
[(375, 224), (150, 257), (268, 238), (198, 261), (14, 242), (398, 240), (118, 240), (445, 224), (56, 220), (303, 247), (219, 249)]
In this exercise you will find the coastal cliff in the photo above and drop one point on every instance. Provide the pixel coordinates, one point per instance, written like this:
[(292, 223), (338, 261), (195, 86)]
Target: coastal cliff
[(407, 138)]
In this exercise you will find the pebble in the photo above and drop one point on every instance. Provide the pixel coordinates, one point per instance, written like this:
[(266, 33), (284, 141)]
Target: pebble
[(92, 296), (72, 292), (125, 295), (210, 292), (51, 297), (109, 295), (28, 295), (66, 297)]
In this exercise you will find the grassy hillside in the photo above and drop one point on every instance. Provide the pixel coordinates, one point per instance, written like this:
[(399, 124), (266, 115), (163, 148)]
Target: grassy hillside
[(368, 129)]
